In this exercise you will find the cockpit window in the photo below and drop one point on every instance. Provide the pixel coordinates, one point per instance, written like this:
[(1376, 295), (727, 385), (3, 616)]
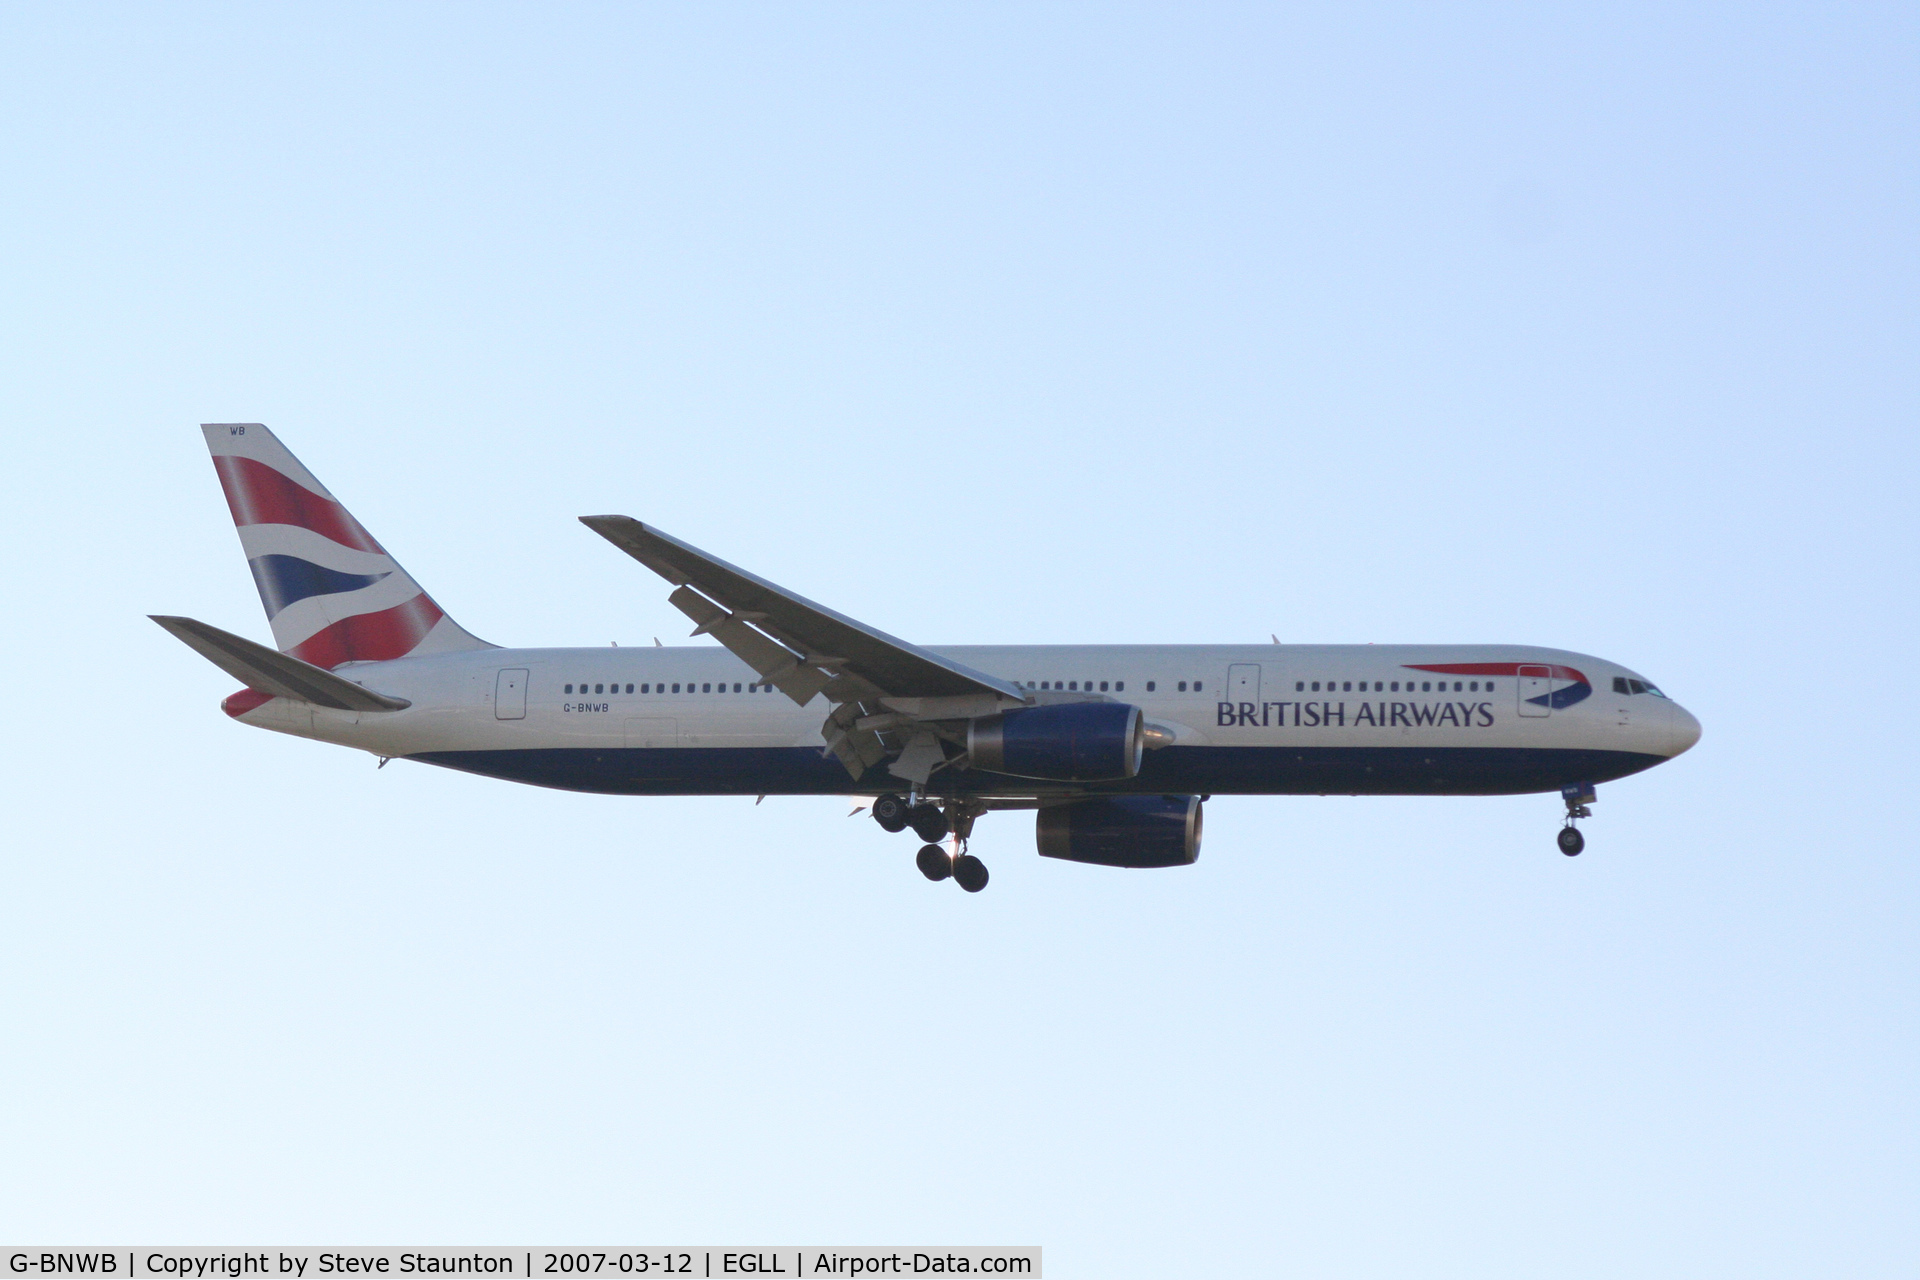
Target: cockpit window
[(1623, 684)]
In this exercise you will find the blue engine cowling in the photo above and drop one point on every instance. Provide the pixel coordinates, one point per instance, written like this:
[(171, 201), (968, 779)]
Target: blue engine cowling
[(1123, 831), (1068, 742)]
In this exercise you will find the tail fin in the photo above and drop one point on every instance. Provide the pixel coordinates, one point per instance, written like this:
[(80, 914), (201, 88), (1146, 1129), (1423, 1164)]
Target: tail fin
[(332, 593)]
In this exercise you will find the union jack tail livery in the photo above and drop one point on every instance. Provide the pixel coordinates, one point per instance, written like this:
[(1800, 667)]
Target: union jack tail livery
[(332, 593)]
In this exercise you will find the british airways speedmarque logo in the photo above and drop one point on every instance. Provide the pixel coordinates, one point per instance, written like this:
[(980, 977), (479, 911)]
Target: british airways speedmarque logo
[(1577, 688), (1534, 681)]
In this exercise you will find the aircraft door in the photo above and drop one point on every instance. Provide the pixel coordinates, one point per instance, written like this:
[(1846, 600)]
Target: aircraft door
[(510, 695), (1535, 691), (1243, 682)]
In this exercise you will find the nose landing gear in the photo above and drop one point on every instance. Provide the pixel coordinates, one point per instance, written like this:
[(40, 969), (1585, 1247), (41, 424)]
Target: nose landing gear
[(1578, 796)]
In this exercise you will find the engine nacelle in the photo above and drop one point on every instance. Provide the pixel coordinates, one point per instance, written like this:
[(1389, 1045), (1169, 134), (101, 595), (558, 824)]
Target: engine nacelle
[(1067, 742), (1123, 831)]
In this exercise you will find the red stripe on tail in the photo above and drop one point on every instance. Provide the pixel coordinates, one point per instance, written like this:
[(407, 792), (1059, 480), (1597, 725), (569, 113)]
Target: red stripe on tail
[(371, 637), (260, 495), (238, 704)]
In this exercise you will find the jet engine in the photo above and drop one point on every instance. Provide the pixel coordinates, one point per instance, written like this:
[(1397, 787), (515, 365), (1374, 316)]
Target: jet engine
[(1067, 742), (1123, 831)]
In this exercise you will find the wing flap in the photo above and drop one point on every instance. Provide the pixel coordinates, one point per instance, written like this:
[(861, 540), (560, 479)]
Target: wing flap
[(271, 672), (777, 665)]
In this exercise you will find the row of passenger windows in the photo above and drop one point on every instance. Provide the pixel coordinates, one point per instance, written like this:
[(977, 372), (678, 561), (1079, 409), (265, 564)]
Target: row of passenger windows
[(1087, 686), (711, 686), (1620, 685), (1393, 686)]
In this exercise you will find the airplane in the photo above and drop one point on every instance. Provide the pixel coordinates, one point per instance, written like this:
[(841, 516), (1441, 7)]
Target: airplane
[(1116, 747)]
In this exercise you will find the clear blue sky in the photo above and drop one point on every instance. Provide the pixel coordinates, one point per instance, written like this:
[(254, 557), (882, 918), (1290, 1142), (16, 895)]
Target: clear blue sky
[(983, 324)]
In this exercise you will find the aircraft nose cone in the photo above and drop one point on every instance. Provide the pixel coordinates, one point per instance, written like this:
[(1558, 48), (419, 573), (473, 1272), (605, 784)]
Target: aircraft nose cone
[(1685, 730)]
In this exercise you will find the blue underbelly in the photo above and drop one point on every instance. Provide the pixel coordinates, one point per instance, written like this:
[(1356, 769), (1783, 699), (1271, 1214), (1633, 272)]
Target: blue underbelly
[(684, 771)]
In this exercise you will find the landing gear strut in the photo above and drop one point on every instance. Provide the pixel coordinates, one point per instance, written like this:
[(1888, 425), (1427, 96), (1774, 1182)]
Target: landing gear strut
[(1578, 796), (935, 824)]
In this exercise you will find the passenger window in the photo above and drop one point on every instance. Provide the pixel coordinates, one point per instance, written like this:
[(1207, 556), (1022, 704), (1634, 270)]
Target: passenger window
[(1426, 686), (599, 688), (1396, 687), (676, 688), (1316, 686), (1103, 686), (1149, 686), (736, 688), (1119, 686), (1196, 686), (1621, 683), (1348, 687), (1299, 686), (1183, 686)]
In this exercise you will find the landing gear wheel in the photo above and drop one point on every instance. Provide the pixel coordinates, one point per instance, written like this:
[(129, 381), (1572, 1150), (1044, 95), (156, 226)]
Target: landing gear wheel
[(933, 862), (891, 813), (970, 873), (1571, 841), (928, 823)]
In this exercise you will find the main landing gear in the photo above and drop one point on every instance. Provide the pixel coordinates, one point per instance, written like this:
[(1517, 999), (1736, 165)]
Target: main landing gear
[(933, 824), (1578, 796)]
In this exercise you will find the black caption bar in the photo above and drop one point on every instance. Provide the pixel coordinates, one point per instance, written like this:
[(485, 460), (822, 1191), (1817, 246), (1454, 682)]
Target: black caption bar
[(789, 1262)]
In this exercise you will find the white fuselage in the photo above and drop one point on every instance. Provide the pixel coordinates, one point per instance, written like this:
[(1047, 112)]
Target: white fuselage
[(1242, 718)]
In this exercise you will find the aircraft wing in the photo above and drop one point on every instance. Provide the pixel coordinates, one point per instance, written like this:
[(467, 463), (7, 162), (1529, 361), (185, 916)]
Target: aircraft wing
[(272, 672), (802, 648)]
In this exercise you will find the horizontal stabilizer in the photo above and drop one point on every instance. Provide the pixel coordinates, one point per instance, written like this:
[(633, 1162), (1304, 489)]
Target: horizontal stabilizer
[(271, 672)]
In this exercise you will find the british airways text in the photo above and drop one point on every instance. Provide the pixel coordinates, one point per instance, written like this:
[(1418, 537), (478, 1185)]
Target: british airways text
[(1310, 715)]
